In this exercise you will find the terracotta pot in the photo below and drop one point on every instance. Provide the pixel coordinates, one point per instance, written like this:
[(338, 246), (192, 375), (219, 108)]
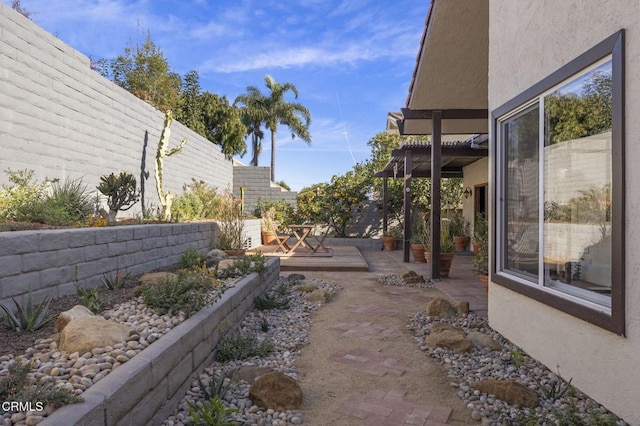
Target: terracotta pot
[(268, 237), (461, 242), (389, 243), (418, 252), (445, 262), (484, 279), (476, 247)]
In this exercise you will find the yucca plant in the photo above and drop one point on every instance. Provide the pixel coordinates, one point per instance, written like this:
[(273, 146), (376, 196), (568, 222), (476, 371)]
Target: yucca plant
[(27, 317)]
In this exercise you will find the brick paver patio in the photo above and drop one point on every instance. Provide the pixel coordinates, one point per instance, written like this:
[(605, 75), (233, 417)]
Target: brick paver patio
[(366, 330), (372, 361), (382, 408)]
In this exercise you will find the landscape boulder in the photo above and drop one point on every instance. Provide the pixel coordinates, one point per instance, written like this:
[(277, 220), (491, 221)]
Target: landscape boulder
[(65, 317), (86, 333), (412, 278), (277, 391), (440, 307), (509, 391), (481, 340), (318, 296), (447, 336), (306, 288), (296, 277), (215, 256)]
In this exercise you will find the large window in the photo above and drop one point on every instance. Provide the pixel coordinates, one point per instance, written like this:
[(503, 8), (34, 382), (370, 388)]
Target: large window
[(559, 175)]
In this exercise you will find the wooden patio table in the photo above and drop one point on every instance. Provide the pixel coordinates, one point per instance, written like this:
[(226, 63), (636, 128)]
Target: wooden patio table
[(302, 233)]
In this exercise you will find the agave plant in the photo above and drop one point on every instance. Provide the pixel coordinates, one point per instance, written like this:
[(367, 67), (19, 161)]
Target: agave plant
[(27, 317)]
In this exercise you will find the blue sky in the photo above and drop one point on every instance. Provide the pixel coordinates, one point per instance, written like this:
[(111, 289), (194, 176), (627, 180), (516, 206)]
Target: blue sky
[(351, 60)]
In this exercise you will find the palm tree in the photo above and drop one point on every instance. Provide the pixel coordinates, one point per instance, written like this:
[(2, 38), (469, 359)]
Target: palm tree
[(273, 110), (253, 114)]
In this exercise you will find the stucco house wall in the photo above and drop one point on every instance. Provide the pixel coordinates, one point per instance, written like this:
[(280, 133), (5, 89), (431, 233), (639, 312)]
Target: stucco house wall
[(476, 173), (528, 41), (61, 119)]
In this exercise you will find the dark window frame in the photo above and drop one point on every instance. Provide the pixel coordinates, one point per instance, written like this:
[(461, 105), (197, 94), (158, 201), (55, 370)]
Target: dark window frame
[(615, 322)]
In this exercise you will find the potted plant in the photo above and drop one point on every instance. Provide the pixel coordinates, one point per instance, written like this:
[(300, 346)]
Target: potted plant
[(420, 238), (390, 238), (480, 232), (459, 230), (268, 226), (480, 259), (447, 249)]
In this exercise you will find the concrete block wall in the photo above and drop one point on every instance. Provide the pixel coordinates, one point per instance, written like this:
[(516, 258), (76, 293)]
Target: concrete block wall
[(64, 120), (257, 181), (48, 262), (146, 389)]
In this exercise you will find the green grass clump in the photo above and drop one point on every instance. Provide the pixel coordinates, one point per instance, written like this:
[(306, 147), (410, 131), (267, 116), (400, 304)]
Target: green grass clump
[(189, 293), (241, 345), (269, 301)]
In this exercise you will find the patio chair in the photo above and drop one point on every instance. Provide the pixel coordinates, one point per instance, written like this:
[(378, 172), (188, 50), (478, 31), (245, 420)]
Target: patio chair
[(281, 240)]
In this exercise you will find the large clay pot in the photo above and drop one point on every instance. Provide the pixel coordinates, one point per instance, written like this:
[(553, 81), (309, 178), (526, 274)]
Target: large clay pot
[(445, 262), (418, 252), (389, 243), (461, 242)]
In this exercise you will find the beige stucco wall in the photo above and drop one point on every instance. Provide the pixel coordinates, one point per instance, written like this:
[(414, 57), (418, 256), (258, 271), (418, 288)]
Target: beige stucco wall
[(528, 41), (475, 173)]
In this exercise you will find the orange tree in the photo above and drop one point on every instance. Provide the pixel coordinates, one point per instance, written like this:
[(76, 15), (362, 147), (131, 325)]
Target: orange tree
[(336, 202)]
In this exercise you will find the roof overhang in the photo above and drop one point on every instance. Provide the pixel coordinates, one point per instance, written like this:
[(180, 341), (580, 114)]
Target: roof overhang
[(451, 72)]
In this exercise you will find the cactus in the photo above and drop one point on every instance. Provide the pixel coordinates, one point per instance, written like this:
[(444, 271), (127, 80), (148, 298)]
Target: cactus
[(121, 191), (165, 197)]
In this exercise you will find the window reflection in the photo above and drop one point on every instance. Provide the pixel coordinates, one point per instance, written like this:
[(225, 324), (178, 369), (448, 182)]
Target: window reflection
[(577, 186), (522, 206)]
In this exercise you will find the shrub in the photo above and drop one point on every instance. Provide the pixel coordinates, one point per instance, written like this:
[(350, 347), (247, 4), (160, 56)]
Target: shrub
[(187, 206), (244, 266), (28, 317), (190, 293), (72, 197), (89, 297), (268, 302), (209, 197), (190, 258), (237, 346), (17, 201)]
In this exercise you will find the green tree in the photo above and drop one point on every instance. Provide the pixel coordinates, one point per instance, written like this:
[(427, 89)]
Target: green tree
[(145, 72), (253, 113), (223, 125), (272, 110), (211, 116)]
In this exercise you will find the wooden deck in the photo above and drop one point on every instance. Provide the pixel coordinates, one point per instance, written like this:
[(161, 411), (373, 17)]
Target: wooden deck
[(345, 258)]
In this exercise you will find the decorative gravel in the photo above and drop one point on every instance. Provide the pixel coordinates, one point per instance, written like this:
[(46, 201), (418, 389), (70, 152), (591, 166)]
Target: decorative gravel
[(288, 329), (510, 363), (78, 372)]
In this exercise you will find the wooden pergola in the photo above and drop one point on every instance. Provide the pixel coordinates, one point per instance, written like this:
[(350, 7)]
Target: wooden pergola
[(425, 160), (447, 96)]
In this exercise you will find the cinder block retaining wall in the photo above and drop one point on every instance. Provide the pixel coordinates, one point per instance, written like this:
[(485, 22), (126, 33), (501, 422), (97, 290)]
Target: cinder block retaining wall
[(61, 119), (146, 389), (46, 261)]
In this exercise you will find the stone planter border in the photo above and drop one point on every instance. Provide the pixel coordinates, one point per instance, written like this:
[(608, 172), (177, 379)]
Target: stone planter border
[(147, 388)]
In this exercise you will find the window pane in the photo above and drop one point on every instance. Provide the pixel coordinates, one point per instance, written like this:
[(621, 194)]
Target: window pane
[(577, 186), (521, 207)]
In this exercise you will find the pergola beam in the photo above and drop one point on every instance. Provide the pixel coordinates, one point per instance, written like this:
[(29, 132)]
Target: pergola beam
[(445, 114)]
